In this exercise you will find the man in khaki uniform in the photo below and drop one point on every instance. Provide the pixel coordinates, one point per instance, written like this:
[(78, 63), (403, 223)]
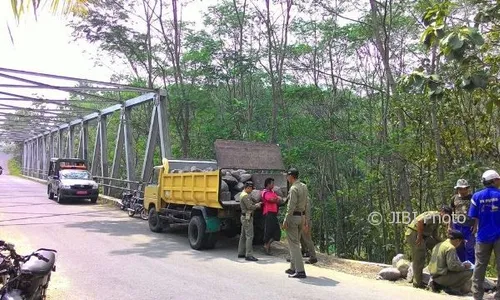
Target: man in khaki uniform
[(446, 269), (248, 207), (306, 236), (421, 235), (295, 220)]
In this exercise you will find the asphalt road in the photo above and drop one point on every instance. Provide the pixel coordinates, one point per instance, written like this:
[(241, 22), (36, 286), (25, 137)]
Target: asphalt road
[(104, 254)]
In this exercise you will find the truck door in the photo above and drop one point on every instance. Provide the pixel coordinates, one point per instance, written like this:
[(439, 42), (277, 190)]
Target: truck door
[(152, 189)]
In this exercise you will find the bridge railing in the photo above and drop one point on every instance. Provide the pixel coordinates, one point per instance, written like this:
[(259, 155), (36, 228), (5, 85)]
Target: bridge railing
[(116, 190), (36, 173)]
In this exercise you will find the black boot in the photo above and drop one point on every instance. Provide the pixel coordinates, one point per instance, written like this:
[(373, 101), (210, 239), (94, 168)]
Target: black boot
[(298, 275)]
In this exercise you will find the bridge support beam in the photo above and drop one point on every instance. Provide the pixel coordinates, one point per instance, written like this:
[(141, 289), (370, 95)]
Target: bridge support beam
[(118, 170)]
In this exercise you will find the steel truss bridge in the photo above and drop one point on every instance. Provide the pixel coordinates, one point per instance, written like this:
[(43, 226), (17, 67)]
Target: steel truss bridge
[(63, 131)]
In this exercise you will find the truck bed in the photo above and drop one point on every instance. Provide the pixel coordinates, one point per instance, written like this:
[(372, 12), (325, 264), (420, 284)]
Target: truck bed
[(192, 188)]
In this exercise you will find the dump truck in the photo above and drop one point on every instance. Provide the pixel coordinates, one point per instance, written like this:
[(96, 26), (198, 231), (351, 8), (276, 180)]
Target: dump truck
[(193, 192)]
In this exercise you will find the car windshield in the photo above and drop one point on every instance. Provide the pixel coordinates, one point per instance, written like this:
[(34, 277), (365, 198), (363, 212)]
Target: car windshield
[(74, 174)]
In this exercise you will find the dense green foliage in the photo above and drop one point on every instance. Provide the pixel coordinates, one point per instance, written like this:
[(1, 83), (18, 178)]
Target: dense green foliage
[(14, 167), (378, 109)]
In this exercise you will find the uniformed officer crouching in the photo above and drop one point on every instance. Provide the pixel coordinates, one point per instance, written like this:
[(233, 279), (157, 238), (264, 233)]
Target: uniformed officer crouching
[(422, 235), (248, 207), (448, 273)]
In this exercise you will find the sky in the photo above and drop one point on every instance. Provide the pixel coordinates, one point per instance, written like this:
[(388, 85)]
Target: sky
[(45, 45)]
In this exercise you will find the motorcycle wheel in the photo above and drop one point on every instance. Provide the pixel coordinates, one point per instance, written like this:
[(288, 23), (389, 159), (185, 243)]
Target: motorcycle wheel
[(131, 213), (144, 214)]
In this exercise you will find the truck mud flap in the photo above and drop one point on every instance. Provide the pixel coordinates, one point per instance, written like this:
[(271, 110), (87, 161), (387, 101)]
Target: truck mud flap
[(213, 224)]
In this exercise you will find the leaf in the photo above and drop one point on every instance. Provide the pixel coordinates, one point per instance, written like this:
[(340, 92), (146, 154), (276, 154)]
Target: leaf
[(480, 80), (453, 41), (476, 37), (428, 37), (489, 106)]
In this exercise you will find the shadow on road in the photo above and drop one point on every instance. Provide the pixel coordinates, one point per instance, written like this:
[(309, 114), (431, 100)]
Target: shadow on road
[(90, 213), (24, 204), (161, 245), (319, 281)]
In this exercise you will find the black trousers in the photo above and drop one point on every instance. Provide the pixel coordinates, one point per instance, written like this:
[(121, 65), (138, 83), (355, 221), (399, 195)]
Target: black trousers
[(272, 228)]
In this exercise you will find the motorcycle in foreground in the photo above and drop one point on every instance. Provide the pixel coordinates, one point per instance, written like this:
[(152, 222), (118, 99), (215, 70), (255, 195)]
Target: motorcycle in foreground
[(25, 277)]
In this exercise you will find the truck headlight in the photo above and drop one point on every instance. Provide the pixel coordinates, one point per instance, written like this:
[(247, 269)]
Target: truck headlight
[(95, 185), (65, 186)]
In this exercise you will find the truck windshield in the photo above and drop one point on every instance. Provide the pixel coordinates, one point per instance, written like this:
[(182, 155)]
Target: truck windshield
[(70, 174)]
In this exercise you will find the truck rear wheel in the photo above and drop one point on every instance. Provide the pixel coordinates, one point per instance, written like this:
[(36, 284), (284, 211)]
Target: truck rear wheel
[(196, 232), (198, 238), (155, 224)]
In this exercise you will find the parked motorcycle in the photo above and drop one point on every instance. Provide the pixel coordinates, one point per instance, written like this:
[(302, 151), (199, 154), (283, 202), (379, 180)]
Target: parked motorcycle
[(126, 200), (137, 207), (25, 277)]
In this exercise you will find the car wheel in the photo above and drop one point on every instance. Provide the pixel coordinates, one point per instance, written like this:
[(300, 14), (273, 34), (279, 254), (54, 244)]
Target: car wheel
[(50, 193), (60, 198)]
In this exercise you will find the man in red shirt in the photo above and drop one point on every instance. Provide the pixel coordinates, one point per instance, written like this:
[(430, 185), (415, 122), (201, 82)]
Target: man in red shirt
[(270, 201)]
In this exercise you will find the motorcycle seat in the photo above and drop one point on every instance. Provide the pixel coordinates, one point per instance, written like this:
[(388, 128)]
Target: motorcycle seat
[(37, 266)]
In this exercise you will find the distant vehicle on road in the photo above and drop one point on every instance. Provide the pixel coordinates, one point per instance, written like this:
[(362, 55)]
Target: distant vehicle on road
[(69, 178)]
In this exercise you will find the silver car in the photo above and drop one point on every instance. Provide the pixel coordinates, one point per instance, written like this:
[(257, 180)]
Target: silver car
[(73, 184)]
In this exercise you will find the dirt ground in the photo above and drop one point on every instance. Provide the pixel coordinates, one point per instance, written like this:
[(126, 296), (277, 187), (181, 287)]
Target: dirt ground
[(362, 269)]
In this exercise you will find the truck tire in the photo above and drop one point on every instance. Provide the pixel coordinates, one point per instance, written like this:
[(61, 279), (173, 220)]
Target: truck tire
[(154, 221), (196, 232)]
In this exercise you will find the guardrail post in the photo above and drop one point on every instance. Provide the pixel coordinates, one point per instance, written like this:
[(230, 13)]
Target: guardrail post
[(150, 145), (95, 155), (118, 147), (59, 143), (45, 155), (71, 135), (25, 150), (51, 145), (163, 126), (103, 135), (129, 148)]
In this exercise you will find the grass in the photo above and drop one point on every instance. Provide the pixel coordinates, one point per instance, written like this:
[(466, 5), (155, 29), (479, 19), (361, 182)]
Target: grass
[(14, 167)]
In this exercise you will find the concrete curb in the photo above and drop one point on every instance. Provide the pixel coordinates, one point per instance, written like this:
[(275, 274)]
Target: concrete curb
[(34, 179), (102, 197)]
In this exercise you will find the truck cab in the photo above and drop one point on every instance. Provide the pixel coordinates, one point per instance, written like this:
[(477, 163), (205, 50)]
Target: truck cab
[(69, 178), (189, 192)]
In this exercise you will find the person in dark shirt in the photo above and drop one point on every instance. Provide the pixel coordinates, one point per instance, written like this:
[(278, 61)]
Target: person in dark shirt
[(485, 210), (460, 204)]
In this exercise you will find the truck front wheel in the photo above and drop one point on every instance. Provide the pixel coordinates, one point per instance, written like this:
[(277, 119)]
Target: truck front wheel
[(196, 232), (155, 224)]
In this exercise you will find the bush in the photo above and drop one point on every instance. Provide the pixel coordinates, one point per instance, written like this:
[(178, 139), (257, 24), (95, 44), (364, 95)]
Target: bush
[(14, 167)]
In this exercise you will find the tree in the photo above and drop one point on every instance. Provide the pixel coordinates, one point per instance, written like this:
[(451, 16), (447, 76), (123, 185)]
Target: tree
[(19, 7)]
